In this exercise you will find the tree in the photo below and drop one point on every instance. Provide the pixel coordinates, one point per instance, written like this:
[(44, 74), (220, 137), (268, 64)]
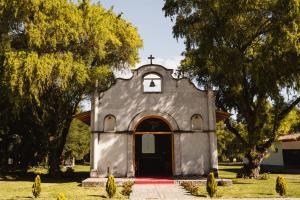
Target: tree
[(229, 147), (249, 51), (78, 140), (53, 54)]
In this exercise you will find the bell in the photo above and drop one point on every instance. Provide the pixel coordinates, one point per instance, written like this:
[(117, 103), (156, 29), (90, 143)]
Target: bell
[(152, 84)]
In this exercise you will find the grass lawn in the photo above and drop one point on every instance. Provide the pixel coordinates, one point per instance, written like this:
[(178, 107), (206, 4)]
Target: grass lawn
[(250, 188), (20, 188)]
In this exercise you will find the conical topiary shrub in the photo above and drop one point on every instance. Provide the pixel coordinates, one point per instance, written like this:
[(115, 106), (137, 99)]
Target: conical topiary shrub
[(281, 185), (61, 196), (36, 187), (211, 184), (111, 186)]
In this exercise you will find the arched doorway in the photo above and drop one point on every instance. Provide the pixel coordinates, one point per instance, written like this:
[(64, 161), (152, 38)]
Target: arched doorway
[(153, 141)]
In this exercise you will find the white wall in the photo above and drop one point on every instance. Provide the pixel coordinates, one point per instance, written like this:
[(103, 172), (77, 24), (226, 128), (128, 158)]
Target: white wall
[(274, 158), (112, 151), (195, 158), (179, 98)]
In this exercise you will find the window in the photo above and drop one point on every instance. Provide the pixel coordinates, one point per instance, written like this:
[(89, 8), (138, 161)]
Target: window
[(109, 123), (152, 83), (196, 122), (148, 143)]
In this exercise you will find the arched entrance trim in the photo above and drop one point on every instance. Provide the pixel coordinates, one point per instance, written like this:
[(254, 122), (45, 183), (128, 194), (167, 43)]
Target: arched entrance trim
[(168, 119), (165, 117)]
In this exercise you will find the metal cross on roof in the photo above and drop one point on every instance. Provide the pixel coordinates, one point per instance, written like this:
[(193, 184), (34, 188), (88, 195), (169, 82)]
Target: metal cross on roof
[(151, 58)]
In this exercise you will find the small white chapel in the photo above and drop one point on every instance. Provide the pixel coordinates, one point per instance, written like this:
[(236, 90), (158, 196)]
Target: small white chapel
[(153, 124)]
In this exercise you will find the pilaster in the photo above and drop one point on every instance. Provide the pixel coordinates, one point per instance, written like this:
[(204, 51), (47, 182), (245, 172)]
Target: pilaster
[(130, 167), (211, 128)]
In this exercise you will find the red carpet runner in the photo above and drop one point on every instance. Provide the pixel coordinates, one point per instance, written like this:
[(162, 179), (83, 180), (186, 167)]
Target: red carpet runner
[(154, 180)]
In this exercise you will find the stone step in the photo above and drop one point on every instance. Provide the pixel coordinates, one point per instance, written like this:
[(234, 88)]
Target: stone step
[(96, 182)]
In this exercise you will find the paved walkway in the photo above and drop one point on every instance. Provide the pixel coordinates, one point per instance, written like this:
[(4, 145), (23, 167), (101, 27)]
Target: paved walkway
[(159, 191)]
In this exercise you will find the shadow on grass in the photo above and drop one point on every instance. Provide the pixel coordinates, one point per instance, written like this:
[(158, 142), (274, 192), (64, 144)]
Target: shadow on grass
[(296, 182), (233, 170), (27, 197), (102, 196), (200, 195), (268, 194), (74, 177), (241, 183)]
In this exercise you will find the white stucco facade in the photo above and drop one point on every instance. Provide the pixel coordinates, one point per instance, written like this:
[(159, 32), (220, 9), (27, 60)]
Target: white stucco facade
[(278, 158), (194, 152)]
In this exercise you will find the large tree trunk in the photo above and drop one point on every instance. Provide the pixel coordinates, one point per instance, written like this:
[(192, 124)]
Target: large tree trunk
[(254, 160), (56, 149)]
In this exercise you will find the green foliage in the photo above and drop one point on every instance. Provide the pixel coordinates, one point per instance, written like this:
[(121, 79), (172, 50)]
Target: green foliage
[(52, 55), (249, 51), (264, 176), (36, 187), (211, 185), (61, 196), (111, 186), (78, 140), (190, 187), (290, 122), (281, 186), (229, 147), (127, 188), (223, 183)]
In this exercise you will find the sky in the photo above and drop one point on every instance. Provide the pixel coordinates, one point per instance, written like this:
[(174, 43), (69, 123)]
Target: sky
[(154, 28)]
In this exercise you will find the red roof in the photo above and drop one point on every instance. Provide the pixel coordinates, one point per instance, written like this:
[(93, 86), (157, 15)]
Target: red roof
[(290, 137)]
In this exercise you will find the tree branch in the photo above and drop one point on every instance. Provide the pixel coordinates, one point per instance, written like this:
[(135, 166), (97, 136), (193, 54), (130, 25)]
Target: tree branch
[(288, 109), (277, 121), (235, 131)]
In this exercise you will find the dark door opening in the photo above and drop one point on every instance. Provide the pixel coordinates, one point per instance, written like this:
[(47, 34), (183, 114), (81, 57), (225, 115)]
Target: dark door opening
[(153, 151), (291, 158)]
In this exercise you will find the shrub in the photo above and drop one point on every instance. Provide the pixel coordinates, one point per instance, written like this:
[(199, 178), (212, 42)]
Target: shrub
[(264, 176), (36, 187), (194, 190), (223, 183), (211, 184), (128, 184), (281, 185), (188, 185), (69, 172), (61, 196), (243, 172), (127, 188), (111, 186)]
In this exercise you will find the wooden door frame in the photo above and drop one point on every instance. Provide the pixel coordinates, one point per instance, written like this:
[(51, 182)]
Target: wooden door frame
[(154, 133)]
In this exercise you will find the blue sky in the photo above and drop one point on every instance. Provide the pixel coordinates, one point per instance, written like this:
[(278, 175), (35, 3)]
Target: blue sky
[(154, 28)]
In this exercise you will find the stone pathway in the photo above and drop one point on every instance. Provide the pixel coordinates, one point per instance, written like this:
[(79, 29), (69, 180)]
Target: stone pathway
[(173, 192), (159, 191)]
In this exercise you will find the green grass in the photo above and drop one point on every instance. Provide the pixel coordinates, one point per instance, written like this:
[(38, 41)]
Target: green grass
[(20, 188), (250, 188)]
